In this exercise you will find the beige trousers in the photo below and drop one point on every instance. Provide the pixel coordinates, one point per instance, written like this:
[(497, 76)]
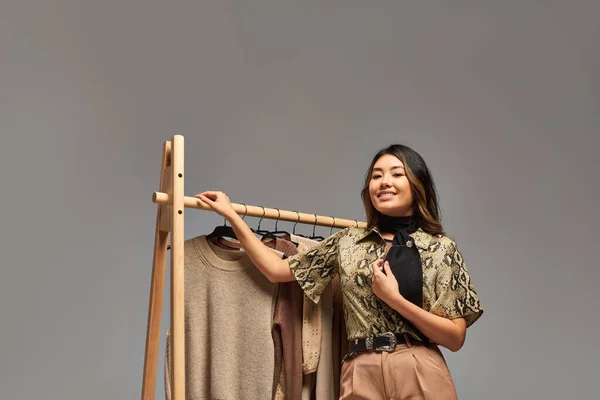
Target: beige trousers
[(410, 372)]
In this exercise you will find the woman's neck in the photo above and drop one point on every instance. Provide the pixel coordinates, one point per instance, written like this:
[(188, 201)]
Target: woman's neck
[(389, 224)]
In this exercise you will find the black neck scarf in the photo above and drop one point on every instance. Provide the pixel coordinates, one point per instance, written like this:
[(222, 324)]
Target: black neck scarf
[(403, 256)]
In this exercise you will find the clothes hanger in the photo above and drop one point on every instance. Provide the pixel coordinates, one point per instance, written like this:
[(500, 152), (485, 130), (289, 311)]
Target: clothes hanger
[(259, 231), (281, 234), (277, 233), (222, 231), (294, 228), (313, 237), (263, 233), (269, 237)]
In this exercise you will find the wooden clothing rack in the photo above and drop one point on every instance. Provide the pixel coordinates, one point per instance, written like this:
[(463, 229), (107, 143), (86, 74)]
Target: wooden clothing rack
[(171, 204)]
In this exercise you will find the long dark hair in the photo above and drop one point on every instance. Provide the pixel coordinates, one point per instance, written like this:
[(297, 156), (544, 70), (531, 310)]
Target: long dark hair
[(426, 209)]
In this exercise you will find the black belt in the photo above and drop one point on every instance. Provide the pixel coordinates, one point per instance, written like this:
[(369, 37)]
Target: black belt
[(384, 342)]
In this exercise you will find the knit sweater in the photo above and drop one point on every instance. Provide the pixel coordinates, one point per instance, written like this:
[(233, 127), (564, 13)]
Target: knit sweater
[(228, 315)]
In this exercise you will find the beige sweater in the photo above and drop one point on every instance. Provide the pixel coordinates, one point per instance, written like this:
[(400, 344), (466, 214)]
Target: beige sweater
[(228, 313)]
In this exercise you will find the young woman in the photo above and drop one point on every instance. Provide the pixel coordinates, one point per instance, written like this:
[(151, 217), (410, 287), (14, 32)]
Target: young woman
[(405, 286)]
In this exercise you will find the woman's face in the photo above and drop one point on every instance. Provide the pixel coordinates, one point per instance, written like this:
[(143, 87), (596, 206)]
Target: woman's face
[(389, 188)]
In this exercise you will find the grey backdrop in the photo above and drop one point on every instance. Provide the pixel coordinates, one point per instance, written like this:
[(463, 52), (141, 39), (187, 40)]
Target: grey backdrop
[(283, 104)]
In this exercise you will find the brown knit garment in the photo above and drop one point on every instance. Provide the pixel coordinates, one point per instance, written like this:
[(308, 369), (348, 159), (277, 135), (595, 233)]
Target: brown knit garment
[(287, 335)]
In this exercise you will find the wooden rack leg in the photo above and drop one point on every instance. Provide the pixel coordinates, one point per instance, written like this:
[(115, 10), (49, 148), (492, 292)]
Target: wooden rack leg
[(156, 292), (177, 278)]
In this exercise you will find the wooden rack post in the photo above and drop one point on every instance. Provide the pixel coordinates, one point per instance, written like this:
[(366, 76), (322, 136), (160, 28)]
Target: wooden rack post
[(169, 219), (171, 204)]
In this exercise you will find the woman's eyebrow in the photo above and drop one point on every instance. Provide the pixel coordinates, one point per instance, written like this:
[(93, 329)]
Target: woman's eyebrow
[(381, 169)]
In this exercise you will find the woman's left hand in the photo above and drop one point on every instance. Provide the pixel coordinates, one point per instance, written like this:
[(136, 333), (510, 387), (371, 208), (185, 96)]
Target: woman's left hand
[(384, 283)]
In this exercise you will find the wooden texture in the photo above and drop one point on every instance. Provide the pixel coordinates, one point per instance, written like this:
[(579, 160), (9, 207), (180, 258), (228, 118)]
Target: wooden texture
[(177, 278), (269, 213), (156, 294)]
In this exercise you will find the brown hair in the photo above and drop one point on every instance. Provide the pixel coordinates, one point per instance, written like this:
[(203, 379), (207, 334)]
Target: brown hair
[(425, 200)]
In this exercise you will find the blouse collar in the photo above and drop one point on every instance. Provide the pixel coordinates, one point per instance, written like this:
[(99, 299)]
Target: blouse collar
[(422, 238)]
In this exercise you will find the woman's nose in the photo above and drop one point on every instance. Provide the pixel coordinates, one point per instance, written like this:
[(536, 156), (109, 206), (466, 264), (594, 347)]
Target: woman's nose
[(385, 181)]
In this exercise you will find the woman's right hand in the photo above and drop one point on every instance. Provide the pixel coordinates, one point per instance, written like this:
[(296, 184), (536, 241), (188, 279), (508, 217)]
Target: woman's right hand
[(218, 202)]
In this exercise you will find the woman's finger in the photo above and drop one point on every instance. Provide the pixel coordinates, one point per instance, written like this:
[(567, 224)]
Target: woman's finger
[(377, 269), (386, 268), (202, 196), (206, 200), (211, 195), (377, 262), (377, 266)]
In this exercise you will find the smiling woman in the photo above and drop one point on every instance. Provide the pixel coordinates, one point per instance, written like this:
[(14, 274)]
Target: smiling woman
[(400, 174), (389, 188), (405, 286)]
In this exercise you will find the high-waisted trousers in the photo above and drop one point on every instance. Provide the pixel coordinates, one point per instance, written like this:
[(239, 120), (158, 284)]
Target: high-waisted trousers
[(412, 371)]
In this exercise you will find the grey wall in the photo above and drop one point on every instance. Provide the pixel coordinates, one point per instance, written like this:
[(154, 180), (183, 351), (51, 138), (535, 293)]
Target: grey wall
[(283, 104)]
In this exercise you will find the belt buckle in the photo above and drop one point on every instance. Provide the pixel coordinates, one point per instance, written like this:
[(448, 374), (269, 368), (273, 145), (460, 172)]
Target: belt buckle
[(393, 342)]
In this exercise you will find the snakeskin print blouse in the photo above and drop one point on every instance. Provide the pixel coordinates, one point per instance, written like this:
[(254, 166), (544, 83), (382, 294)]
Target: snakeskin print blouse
[(447, 288)]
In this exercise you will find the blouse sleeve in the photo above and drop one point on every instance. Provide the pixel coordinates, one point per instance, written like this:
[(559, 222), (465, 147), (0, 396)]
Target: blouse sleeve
[(455, 294), (314, 268)]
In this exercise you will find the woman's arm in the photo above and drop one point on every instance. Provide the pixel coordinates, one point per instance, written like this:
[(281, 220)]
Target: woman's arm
[(449, 333), (272, 266), (443, 331)]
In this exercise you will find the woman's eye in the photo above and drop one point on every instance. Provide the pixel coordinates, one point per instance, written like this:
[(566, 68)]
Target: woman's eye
[(376, 176), (397, 174)]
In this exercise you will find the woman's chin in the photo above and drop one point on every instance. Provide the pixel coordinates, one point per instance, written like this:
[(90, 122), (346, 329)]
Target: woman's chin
[(392, 210), (387, 209)]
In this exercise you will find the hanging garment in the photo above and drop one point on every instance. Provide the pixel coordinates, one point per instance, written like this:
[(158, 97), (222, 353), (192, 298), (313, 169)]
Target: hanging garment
[(339, 341), (311, 317), (317, 345), (228, 316), (287, 326), (324, 384), (287, 335)]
